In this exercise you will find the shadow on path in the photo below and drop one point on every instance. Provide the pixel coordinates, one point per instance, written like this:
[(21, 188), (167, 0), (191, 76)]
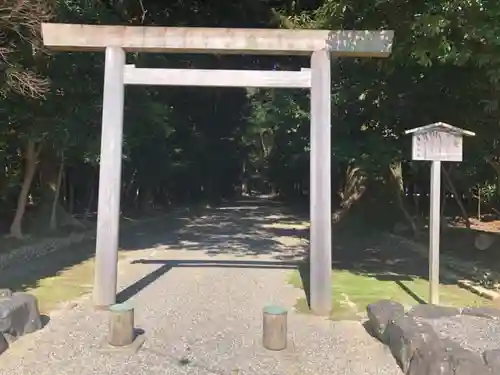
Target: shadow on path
[(264, 229), (244, 230), (251, 227), (167, 265)]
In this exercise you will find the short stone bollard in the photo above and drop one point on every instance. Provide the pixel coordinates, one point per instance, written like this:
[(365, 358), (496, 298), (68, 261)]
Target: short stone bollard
[(121, 325), (274, 328), (122, 334)]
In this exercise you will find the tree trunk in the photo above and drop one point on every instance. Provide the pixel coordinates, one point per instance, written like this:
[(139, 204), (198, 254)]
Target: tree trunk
[(498, 185), (57, 191), (479, 204), (146, 203), (31, 160), (90, 202), (443, 205), (71, 195), (50, 207), (396, 170), (416, 200), (354, 188), (129, 190), (244, 182), (453, 190)]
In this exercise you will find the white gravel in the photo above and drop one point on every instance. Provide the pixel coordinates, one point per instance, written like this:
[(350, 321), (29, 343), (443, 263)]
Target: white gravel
[(205, 318)]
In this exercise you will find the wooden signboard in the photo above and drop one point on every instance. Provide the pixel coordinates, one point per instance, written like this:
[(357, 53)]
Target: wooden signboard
[(436, 142), (437, 145)]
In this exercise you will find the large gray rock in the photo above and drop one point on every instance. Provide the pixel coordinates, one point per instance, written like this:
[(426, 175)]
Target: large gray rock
[(482, 312), (472, 368), (463, 361), (420, 350), (381, 313), (446, 357), (19, 315), (431, 359), (405, 335), (433, 311)]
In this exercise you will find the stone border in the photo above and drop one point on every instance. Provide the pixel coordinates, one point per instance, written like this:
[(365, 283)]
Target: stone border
[(41, 248), (50, 245), (417, 347)]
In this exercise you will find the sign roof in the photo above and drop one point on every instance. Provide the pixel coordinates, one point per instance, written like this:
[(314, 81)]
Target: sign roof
[(440, 126)]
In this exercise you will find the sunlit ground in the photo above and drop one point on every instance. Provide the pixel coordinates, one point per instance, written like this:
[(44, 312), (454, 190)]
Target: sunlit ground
[(352, 292), (69, 284)]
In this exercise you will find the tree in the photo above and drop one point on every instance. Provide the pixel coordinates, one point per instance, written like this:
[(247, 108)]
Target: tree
[(21, 46)]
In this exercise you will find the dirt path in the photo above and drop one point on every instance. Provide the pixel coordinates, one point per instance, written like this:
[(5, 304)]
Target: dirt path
[(198, 289)]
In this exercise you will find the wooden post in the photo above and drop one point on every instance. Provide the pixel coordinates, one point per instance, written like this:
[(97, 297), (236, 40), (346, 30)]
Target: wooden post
[(436, 142), (121, 325), (274, 328), (434, 229), (105, 276), (320, 185)]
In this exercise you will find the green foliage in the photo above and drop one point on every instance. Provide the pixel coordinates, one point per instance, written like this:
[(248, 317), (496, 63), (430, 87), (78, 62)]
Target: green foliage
[(195, 144)]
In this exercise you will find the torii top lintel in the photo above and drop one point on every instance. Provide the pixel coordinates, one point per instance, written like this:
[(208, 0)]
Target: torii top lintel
[(73, 37)]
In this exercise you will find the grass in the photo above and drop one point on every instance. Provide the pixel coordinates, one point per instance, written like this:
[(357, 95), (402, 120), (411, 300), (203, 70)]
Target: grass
[(59, 277), (352, 292), (67, 284)]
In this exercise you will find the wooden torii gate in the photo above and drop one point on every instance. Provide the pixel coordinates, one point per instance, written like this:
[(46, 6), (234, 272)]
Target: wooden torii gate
[(117, 40)]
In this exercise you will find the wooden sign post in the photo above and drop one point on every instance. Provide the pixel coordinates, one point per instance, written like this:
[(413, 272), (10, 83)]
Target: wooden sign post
[(436, 142)]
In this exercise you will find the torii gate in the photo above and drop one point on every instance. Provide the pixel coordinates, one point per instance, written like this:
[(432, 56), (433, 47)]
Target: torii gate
[(117, 40)]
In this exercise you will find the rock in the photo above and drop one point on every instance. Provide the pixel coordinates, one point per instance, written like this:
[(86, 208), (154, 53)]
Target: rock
[(381, 313), (431, 359), (3, 344), (458, 351), (405, 336), (463, 361), (433, 311), (418, 348), (19, 315), (492, 359), (472, 368), (482, 312), (446, 357)]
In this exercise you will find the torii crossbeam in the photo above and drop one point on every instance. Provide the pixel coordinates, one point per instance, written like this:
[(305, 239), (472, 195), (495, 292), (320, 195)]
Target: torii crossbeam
[(117, 40)]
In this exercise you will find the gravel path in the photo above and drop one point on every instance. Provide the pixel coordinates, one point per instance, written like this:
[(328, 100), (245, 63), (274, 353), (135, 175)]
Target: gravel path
[(207, 283)]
